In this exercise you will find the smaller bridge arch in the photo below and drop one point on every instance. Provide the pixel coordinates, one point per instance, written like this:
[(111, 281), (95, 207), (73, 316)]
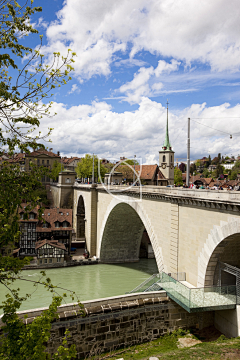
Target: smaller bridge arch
[(121, 233), (81, 218), (222, 244)]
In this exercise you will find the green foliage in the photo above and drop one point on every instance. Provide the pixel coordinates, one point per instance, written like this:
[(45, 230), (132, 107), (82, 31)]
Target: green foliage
[(23, 102), (205, 173), (56, 169), (23, 94), (84, 168), (198, 162), (178, 177), (131, 162), (218, 171)]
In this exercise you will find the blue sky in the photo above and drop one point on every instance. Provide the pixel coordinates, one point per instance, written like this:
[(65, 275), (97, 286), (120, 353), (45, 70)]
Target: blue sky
[(131, 57)]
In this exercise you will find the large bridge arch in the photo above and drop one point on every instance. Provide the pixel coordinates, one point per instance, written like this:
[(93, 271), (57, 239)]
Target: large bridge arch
[(121, 232), (222, 244)]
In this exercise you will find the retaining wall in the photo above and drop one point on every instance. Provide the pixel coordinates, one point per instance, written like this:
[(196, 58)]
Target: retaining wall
[(119, 321)]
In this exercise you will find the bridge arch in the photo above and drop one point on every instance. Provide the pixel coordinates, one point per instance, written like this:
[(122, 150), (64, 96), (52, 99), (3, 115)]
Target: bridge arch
[(222, 244), (121, 232), (81, 232)]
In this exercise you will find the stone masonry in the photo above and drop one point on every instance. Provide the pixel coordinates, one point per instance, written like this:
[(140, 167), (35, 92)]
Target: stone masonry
[(119, 321)]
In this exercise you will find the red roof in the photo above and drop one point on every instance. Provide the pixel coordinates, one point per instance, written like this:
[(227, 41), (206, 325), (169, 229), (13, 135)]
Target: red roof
[(53, 243), (50, 216), (43, 152)]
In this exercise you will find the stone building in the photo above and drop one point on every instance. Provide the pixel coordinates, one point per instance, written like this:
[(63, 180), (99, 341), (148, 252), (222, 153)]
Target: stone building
[(166, 158), (44, 158), (49, 252), (56, 224), (70, 163)]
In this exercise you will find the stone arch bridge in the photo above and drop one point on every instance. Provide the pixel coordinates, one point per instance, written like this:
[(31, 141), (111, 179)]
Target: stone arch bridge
[(190, 230)]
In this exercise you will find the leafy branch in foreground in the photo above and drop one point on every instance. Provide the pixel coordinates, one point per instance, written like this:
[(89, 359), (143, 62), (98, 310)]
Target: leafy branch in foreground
[(24, 100)]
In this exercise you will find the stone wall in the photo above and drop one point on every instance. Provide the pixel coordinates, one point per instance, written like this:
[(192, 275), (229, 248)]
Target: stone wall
[(120, 321)]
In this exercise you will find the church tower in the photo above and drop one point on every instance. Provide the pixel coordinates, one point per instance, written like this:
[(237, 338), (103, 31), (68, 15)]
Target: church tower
[(166, 158)]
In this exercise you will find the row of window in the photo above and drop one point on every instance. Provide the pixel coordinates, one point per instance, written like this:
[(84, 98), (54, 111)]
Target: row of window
[(48, 261), (49, 251)]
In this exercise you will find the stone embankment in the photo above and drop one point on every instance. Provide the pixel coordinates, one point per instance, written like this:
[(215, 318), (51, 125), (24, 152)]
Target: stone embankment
[(119, 321), (60, 265)]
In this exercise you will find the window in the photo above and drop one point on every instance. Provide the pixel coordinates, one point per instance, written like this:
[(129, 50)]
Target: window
[(58, 259), (171, 158), (42, 161), (50, 251), (164, 158), (47, 162), (57, 224), (38, 162), (31, 216), (45, 251), (65, 224), (21, 216), (68, 180), (49, 261), (45, 261), (40, 261), (45, 225)]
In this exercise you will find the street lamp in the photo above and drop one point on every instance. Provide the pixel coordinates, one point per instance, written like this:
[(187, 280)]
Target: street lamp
[(193, 178)]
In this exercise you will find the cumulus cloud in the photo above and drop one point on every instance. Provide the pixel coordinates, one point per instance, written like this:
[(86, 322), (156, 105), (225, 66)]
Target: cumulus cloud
[(140, 85), (188, 31), (96, 128)]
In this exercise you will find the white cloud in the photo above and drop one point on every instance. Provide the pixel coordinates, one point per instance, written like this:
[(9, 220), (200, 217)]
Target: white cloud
[(96, 128), (187, 30), (140, 85), (74, 88)]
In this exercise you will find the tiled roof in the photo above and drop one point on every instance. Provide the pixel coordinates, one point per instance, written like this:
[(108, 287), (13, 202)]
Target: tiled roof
[(43, 152), (147, 171), (53, 243), (51, 216), (68, 161)]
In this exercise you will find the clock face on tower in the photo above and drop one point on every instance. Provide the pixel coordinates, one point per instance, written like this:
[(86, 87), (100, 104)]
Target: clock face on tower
[(171, 166), (164, 166)]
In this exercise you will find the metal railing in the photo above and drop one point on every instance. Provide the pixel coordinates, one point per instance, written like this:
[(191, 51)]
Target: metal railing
[(191, 299)]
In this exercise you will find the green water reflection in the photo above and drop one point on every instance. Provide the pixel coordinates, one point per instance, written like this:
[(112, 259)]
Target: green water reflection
[(89, 282)]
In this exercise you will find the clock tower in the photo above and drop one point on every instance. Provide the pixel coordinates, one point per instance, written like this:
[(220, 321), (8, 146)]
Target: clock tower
[(166, 157)]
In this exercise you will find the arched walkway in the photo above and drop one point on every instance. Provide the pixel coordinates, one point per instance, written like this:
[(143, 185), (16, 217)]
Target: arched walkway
[(122, 231), (223, 244), (81, 218)]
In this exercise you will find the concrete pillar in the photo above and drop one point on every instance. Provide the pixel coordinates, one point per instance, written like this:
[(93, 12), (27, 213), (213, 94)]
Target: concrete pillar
[(93, 224)]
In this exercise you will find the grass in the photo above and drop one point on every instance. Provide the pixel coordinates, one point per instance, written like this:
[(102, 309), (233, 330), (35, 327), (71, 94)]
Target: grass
[(166, 348)]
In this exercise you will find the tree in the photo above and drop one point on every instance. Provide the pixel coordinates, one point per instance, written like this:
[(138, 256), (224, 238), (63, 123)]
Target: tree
[(178, 177), (218, 171), (23, 95), (84, 168), (193, 168), (205, 173), (56, 169)]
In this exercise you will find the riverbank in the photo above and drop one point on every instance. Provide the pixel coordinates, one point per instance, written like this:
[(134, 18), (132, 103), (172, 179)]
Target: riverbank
[(61, 265), (194, 344)]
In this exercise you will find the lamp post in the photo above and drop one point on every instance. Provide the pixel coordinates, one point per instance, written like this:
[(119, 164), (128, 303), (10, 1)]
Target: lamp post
[(134, 170), (193, 178), (93, 170)]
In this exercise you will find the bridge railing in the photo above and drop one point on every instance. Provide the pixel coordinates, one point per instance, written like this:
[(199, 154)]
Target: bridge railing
[(204, 194)]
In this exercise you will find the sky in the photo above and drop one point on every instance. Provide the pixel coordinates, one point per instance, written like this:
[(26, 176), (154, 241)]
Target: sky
[(133, 56)]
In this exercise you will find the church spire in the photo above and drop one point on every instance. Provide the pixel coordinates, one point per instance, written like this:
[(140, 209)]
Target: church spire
[(167, 145)]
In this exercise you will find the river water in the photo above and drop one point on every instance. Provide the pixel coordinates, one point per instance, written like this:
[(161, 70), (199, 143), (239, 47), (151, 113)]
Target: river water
[(89, 281)]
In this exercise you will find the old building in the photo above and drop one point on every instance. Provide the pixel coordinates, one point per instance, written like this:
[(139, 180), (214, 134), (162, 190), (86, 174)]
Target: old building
[(56, 225), (50, 252), (70, 163), (44, 158)]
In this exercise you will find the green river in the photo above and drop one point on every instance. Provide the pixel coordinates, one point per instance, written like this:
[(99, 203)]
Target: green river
[(89, 281)]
